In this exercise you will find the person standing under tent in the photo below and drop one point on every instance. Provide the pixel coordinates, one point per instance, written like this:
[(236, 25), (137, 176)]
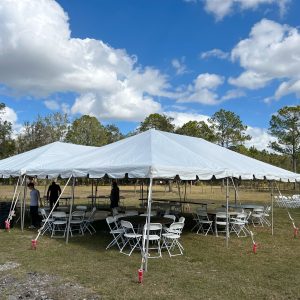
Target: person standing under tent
[(53, 193), (35, 199), (114, 197)]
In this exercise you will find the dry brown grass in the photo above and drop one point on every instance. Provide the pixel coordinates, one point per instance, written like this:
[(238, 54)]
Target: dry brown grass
[(207, 270)]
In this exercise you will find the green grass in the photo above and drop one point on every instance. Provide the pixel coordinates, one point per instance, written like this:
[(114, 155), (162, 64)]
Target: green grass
[(207, 270)]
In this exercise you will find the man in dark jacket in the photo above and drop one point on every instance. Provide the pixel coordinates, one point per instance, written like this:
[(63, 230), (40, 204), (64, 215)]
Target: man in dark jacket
[(114, 196), (53, 193)]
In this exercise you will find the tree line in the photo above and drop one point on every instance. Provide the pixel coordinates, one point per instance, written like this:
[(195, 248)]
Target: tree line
[(224, 128)]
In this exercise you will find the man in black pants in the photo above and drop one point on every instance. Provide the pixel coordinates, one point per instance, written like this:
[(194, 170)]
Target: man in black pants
[(53, 193)]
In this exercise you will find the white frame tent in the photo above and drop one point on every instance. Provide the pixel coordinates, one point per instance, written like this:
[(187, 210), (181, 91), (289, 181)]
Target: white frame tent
[(155, 154), (18, 165), (158, 154)]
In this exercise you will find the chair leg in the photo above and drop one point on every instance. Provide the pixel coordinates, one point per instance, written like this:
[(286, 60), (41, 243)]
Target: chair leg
[(200, 228), (170, 245), (115, 241), (132, 245), (197, 224)]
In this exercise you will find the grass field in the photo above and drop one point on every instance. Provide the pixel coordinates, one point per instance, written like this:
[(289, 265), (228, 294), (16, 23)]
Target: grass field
[(207, 270)]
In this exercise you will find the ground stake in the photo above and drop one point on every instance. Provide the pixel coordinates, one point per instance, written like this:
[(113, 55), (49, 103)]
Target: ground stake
[(254, 248), (140, 274), (33, 244), (7, 225), (296, 231)]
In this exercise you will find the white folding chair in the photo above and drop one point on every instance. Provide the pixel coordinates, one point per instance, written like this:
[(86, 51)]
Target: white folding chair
[(171, 239), (221, 223), (87, 222), (131, 213), (59, 224), (116, 232), (204, 223), (155, 230), (266, 215), (246, 228), (238, 224), (152, 214), (181, 220), (172, 217), (81, 207), (257, 217), (195, 216), (132, 238), (46, 225), (76, 222)]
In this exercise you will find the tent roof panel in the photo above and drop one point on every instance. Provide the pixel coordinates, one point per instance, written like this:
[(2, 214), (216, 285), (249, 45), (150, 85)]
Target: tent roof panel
[(159, 154)]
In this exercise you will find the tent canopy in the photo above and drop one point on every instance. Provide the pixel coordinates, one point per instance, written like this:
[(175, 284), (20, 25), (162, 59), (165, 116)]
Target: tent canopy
[(157, 154), (37, 158)]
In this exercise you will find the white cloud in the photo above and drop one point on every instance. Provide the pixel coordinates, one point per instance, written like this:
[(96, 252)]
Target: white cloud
[(65, 108), (181, 118), (233, 94), (203, 90), (218, 53), (270, 53), (149, 81), (55, 105), (179, 65), (9, 115), (260, 138), (38, 57), (52, 104), (250, 80), (285, 88), (127, 104), (222, 8)]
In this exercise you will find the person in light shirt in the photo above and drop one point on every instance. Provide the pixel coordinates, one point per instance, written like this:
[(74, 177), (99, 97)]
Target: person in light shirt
[(35, 200)]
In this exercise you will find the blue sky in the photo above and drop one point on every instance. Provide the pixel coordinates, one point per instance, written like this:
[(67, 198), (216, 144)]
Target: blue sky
[(121, 60)]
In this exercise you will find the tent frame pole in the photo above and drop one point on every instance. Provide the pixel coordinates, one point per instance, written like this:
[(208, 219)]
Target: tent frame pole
[(96, 192), (16, 186), (142, 192), (227, 206), (93, 200), (45, 193), (185, 196), (16, 195), (148, 223), (23, 205), (272, 206), (70, 210), (236, 195)]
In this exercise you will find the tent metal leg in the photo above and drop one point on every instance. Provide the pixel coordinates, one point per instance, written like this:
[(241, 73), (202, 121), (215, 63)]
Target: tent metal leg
[(227, 206), (23, 205), (148, 223), (70, 211), (272, 206)]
